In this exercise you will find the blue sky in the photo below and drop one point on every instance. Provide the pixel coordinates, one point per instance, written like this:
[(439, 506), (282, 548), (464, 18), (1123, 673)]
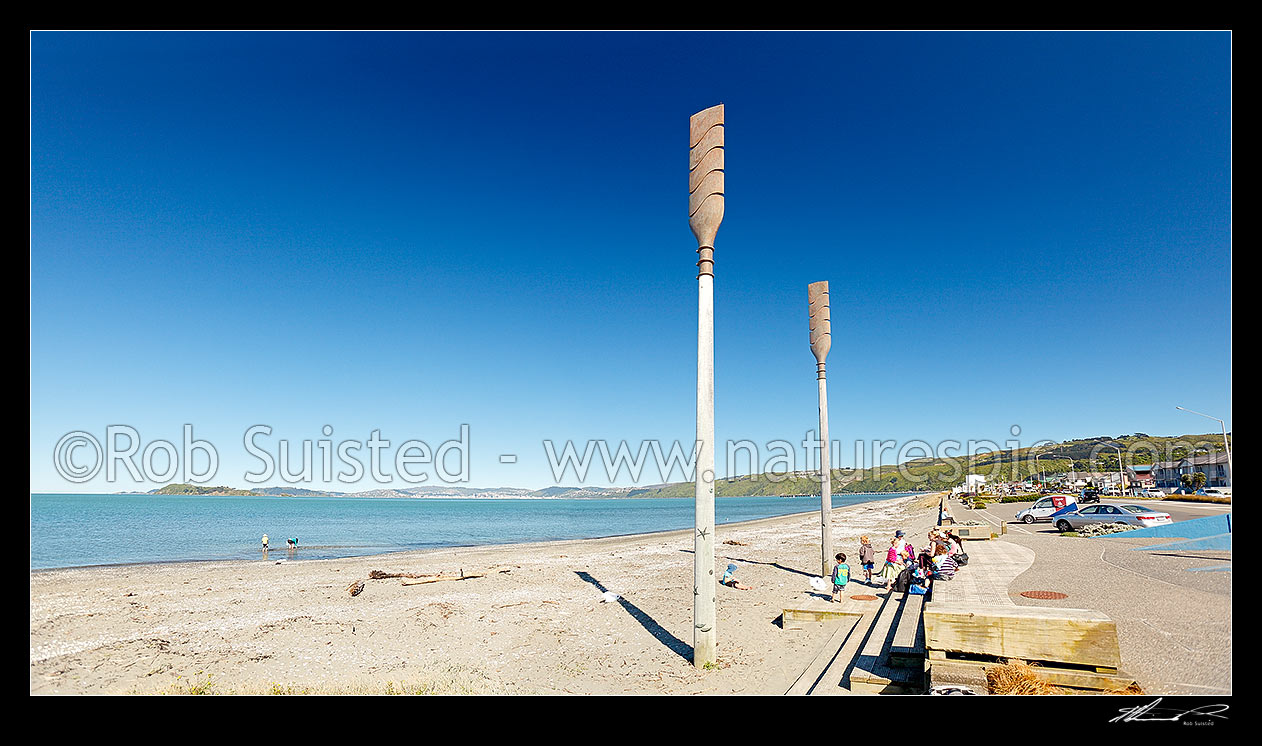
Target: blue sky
[(410, 232)]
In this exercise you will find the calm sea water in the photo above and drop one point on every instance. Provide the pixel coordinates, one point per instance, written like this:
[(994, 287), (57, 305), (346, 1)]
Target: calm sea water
[(76, 530)]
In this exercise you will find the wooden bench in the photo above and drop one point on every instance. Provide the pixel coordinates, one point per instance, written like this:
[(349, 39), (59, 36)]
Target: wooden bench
[(973, 533), (945, 516)]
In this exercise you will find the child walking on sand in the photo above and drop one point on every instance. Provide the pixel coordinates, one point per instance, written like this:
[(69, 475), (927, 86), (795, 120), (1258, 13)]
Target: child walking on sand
[(867, 558), (841, 576)]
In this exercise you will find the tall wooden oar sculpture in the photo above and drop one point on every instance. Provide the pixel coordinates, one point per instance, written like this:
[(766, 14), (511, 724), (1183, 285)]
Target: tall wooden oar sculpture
[(705, 212), (821, 341)]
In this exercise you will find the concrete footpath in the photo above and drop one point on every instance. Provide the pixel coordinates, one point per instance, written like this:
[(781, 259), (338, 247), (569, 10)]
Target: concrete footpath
[(1173, 624)]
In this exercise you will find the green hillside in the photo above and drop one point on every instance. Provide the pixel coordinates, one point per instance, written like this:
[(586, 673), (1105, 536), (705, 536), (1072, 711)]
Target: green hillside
[(938, 474)]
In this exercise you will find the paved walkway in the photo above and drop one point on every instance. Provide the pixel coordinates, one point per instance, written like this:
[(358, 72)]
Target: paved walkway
[(1174, 627)]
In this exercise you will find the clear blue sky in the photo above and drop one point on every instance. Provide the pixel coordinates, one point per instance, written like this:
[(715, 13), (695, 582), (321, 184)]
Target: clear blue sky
[(407, 232)]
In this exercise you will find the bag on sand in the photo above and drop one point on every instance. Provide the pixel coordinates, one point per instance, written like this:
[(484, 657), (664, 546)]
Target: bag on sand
[(961, 559), (903, 581)]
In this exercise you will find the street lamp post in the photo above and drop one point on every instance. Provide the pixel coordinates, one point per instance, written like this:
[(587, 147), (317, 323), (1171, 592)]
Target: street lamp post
[(1042, 476), (705, 212), (1121, 481), (1226, 443)]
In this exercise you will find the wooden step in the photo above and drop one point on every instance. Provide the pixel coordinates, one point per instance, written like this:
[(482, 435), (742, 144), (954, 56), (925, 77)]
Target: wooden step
[(873, 671), (1079, 637), (811, 676), (908, 646)]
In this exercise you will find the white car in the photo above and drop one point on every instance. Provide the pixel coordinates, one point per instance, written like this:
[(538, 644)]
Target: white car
[(1152, 493), (1043, 508), (1218, 492)]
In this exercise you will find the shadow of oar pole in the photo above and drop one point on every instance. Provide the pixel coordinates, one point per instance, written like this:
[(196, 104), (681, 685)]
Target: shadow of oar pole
[(660, 633)]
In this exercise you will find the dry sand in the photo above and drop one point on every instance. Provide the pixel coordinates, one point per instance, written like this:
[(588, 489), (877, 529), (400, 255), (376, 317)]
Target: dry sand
[(260, 627)]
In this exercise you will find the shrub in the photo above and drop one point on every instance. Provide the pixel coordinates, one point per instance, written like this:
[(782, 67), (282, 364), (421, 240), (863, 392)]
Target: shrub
[(1019, 498), (1200, 499)]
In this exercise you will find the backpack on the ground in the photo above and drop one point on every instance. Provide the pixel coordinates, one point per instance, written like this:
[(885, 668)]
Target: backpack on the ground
[(903, 581)]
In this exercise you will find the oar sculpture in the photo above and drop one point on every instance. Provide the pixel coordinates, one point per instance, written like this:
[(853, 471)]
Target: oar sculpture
[(705, 212), (821, 342)]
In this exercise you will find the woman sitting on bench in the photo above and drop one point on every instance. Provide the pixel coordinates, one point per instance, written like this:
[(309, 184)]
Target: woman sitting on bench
[(944, 565)]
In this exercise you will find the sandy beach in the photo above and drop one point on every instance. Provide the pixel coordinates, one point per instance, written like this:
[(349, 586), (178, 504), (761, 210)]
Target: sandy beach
[(534, 624)]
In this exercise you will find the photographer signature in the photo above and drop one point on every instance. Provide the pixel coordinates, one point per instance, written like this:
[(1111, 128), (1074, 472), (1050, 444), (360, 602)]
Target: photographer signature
[(1150, 712)]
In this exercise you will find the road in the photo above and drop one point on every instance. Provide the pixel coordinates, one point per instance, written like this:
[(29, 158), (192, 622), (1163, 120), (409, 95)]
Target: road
[(997, 513)]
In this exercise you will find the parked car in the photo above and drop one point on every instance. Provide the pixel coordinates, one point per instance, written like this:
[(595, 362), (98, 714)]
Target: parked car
[(1089, 495), (1043, 508), (1133, 515), (1154, 492), (1217, 492)]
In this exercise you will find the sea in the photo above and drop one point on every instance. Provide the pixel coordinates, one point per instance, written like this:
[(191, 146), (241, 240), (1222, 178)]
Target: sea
[(85, 530)]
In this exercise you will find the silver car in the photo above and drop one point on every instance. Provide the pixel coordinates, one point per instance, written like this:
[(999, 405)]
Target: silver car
[(1134, 515)]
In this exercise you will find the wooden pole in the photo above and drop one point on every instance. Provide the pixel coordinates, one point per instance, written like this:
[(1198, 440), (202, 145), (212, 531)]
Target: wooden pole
[(705, 212), (821, 342)]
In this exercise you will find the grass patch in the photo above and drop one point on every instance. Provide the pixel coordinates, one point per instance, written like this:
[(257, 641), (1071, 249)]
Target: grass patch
[(193, 685)]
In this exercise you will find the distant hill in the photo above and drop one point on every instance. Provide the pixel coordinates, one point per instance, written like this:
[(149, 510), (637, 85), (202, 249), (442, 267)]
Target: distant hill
[(939, 474), (912, 476), (197, 489)]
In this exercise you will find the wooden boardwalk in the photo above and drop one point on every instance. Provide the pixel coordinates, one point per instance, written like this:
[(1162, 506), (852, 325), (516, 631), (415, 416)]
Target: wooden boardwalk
[(880, 647), (992, 566), (905, 645)]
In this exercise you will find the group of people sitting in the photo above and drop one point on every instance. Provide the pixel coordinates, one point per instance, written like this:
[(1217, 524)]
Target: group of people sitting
[(907, 571)]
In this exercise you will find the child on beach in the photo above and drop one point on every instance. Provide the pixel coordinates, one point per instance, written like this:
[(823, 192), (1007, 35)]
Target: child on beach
[(729, 579), (867, 558), (892, 565), (841, 576)]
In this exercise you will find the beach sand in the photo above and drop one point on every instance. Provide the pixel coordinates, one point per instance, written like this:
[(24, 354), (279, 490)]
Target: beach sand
[(259, 627)]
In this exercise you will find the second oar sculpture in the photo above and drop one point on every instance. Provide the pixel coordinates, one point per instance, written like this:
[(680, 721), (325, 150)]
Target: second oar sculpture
[(705, 212), (821, 341)]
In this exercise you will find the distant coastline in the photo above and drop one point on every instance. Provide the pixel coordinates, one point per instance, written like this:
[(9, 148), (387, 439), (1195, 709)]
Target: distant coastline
[(490, 493), (915, 475)]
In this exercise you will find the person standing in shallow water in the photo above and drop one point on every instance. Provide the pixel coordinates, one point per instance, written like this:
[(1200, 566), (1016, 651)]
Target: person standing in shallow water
[(264, 542)]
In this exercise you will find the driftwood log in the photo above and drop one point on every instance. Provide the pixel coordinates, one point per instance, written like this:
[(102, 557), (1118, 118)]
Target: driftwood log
[(423, 579), (440, 578), (382, 575)]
